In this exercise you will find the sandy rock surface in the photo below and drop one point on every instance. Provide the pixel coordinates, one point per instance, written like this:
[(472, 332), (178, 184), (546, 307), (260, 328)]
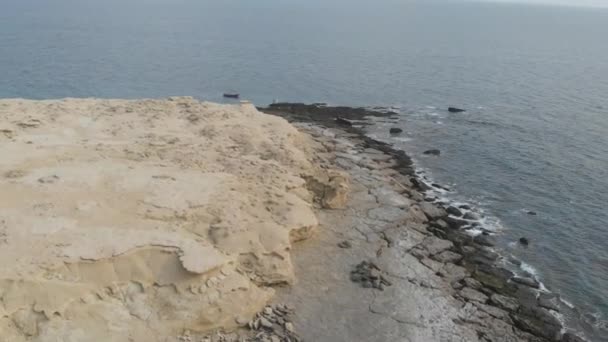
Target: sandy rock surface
[(134, 220)]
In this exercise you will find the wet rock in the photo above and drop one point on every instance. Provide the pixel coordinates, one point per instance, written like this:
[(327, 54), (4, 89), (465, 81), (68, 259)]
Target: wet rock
[(464, 206), (343, 122), (507, 303), (524, 241), (441, 224), (484, 240), (533, 283), (344, 244), (455, 223), (432, 211), (455, 110), (571, 337), (439, 186), (473, 295), (494, 277), (472, 216), (432, 152), (454, 211), (395, 130), (533, 213), (537, 321), (548, 301)]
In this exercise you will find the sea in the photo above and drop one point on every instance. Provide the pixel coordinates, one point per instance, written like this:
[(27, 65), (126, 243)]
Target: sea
[(532, 78)]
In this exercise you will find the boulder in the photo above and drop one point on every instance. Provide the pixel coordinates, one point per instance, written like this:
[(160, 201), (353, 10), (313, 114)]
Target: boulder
[(548, 301), (440, 224), (455, 110), (533, 213), (571, 337), (454, 211), (395, 130), (465, 207), (524, 241), (432, 211), (455, 223), (537, 321), (432, 152)]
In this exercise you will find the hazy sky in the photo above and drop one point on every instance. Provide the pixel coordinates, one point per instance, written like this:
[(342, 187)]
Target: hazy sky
[(590, 3)]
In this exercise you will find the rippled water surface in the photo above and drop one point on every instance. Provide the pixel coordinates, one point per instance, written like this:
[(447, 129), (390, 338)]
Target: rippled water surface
[(534, 81)]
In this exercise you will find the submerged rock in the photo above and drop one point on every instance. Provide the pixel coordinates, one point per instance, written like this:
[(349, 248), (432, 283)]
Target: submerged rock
[(432, 152), (533, 213), (454, 211), (524, 241), (472, 216), (531, 282), (343, 122), (395, 130)]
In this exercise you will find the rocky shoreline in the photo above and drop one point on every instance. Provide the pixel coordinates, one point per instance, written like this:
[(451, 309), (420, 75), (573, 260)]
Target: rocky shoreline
[(489, 299)]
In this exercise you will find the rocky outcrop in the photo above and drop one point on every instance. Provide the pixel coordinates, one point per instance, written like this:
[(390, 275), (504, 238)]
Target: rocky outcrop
[(148, 217), (433, 152)]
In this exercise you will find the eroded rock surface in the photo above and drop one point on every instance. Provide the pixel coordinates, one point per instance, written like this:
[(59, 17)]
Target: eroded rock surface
[(133, 220)]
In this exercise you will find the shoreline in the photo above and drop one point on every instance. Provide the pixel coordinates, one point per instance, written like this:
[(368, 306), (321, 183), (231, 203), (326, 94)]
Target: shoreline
[(532, 311)]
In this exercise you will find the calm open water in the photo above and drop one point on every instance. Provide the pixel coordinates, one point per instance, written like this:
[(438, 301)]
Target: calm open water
[(534, 81)]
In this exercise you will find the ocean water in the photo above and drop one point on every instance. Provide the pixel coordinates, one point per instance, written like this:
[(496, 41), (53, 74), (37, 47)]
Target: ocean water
[(534, 81)]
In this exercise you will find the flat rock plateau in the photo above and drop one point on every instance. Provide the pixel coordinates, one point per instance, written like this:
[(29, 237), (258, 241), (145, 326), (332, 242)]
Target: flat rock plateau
[(139, 220)]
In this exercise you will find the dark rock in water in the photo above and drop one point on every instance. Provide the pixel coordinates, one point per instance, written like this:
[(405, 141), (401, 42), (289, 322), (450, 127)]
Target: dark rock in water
[(454, 211), (472, 216), (455, 223), (524, 241), (484, 240), (432, 152), (455, 110), (514, 261), (439, 186), (548, 301), (395, 130), (571, 337), (533, 283), (537, 321), (533, 213), (465, 207), (343, 122), (494, 277)]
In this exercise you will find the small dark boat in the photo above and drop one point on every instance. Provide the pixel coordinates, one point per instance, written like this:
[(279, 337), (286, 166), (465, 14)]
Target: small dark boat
[(231, 95)]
